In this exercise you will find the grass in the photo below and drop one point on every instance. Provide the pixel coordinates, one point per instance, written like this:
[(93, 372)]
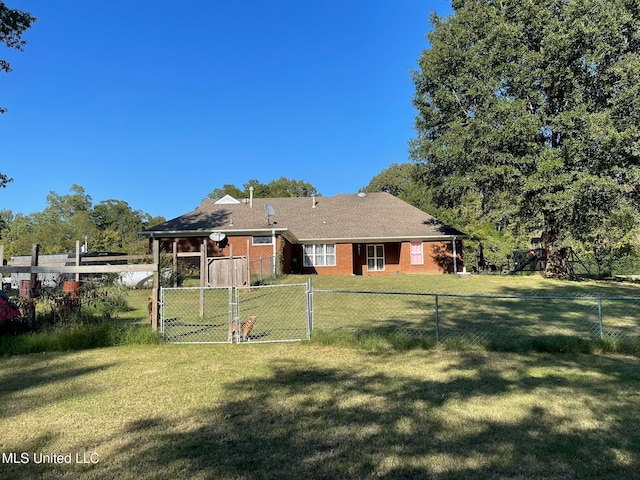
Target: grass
[(303, 411), (474, 285), (83, 331), (77, 337), (348, 404), (512, 324)]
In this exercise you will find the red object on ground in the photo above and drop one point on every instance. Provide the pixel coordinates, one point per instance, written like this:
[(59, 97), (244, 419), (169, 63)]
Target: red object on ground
[(8, 311)]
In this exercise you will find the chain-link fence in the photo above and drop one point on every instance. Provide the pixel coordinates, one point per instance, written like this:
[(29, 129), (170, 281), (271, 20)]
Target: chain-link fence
[(277, 313), (265, 268), (268, 313), (196, 314), (496, 321)]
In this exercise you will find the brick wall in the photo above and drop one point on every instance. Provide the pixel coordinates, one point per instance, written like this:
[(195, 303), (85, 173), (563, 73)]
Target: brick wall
[(344, 262), (437, 258), (350, 258)]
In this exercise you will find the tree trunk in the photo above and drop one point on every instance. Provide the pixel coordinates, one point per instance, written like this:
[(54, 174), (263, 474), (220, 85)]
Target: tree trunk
[(557, 256), (557, 265)]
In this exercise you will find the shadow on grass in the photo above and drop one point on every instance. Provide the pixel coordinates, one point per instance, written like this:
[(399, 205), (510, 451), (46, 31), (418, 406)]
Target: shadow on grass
[(31, 374), (301, 421)]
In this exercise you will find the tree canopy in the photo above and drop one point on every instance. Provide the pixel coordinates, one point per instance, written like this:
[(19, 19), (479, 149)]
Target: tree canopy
[(282, 187), (13, 23), (403, 181), (111, 225), (530, 109)]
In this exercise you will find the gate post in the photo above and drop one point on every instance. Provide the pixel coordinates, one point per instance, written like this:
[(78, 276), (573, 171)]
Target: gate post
[(309, 308), (437, 321)]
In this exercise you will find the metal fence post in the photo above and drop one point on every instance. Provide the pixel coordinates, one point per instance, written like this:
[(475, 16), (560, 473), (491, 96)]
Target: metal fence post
[(600, 318), (236, 314), (437, 321), (309, 308)]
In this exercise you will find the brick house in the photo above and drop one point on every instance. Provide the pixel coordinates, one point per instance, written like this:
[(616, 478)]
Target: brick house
[(359, 234)]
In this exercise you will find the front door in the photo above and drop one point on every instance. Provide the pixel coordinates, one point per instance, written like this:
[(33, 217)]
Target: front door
[(358, 256)]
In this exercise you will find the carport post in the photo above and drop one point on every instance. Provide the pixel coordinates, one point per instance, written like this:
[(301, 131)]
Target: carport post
[(155, 291), (77, 259), (204, 265), (175, 264)]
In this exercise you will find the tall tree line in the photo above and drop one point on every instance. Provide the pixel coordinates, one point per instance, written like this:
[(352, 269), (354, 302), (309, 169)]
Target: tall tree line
[(281, 187), (111, 225), (529, 115)]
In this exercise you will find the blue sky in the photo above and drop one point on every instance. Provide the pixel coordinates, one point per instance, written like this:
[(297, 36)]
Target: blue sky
[(158, 102)]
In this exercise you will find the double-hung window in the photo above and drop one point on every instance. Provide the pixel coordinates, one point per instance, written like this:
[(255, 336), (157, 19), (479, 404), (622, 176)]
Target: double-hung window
[(375, 258), (320, 255)]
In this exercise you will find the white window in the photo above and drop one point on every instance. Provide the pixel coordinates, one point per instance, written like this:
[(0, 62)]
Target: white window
[(417, 256), (262, 240), (320, 255), (375, 258)]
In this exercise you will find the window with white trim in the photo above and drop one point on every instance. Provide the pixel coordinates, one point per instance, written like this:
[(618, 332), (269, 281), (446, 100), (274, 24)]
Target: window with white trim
[(375, 258), (417, 255), (262, 240), (319, 255)]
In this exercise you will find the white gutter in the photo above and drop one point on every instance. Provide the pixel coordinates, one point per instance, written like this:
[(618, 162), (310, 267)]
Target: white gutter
[(381, 239), (455, 257), (273, 242)]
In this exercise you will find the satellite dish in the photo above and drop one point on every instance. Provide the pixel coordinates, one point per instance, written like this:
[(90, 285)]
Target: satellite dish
[(217, 236), (270, 212)]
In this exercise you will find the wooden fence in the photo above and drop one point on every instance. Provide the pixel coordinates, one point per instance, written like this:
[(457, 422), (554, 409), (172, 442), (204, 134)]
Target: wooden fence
[(36, 266), (223, 271)]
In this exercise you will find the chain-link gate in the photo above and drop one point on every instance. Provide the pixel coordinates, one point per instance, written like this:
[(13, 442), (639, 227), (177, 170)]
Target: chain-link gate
[(196, 314), (268, 313), (273, 313)]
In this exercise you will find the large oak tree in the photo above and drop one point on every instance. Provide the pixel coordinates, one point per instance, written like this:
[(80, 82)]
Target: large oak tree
[(531, 108)]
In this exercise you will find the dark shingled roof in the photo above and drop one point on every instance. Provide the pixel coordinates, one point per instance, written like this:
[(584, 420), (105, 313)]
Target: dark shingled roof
[(357, 217)]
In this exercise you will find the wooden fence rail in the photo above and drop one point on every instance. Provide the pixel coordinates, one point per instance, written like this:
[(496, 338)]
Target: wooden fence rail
[(33, 268)]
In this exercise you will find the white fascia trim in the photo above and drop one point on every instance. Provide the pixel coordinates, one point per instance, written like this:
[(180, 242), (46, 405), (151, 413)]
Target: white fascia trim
[(285, 232), (248, 231), (383, 239), (207, 232)]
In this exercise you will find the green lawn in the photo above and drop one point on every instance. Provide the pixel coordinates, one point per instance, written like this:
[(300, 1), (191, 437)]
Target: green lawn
[(305, 410), (301, 411)]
